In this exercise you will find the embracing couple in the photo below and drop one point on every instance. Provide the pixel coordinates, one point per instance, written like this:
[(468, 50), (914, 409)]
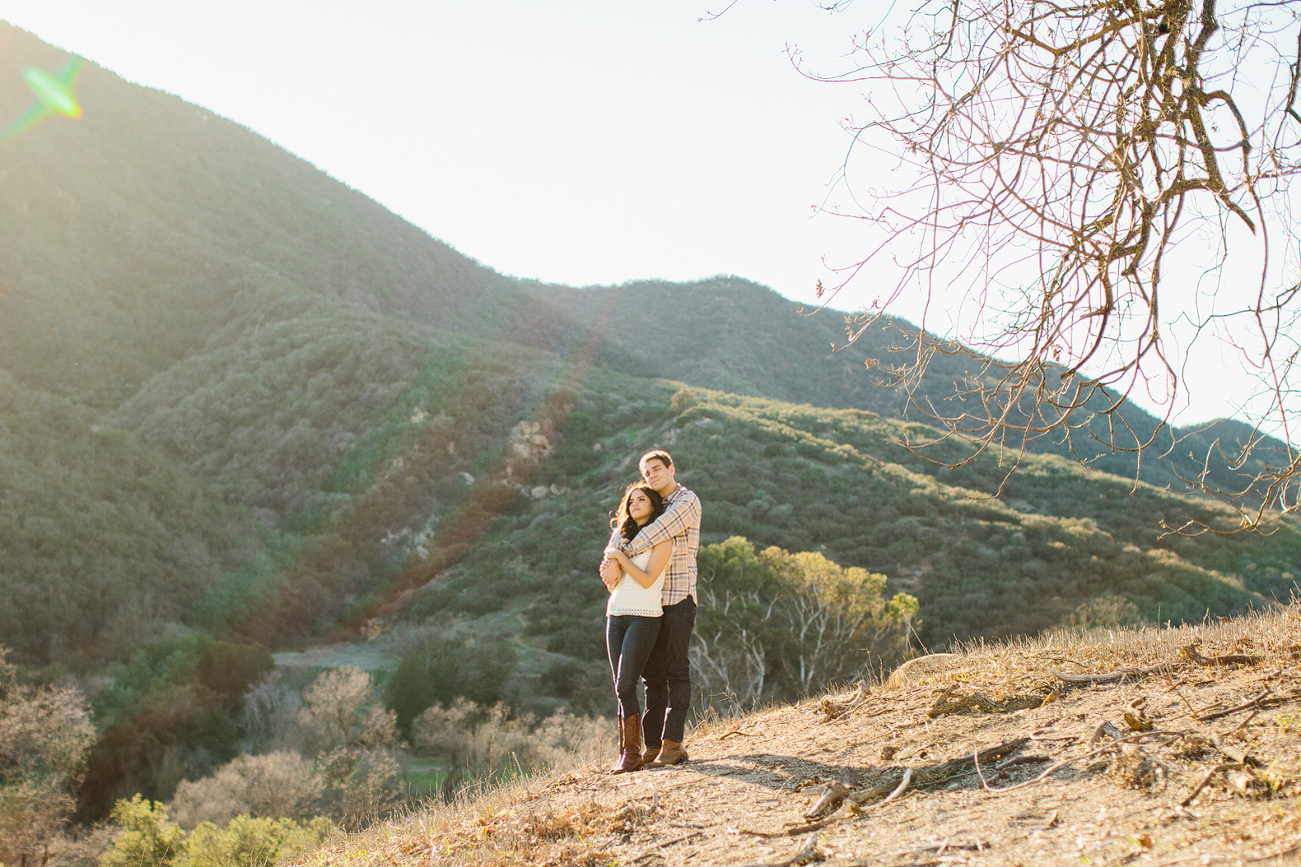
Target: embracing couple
[(650, 570)]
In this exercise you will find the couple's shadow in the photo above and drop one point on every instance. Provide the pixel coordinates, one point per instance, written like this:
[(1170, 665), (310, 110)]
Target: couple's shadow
[(780, 773)]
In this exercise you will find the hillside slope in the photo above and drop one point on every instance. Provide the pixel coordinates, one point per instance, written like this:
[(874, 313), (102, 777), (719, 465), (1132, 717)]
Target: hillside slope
[(1183, 749)]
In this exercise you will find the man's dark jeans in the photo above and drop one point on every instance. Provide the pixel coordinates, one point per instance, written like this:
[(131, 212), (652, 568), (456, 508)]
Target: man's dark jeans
[(629, 640), (668, 676)]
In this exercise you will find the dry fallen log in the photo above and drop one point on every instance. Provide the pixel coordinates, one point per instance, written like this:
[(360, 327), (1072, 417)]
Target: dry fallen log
[(914, 777), (1090, 754), (898, 790), (830, 800), (854, 800), (925, 777), (1190, 652), (1127, 672), (834, 709)]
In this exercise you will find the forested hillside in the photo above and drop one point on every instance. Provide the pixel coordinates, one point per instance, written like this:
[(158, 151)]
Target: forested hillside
[(243, 408)]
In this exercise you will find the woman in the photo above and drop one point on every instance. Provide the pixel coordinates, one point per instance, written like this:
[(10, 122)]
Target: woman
[(633, 613)]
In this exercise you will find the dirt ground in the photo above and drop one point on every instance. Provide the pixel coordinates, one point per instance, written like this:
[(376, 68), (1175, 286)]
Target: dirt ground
[(1165, 746)]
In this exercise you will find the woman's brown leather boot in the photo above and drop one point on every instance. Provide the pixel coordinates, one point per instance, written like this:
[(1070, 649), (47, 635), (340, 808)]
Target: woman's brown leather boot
[(630, 745)]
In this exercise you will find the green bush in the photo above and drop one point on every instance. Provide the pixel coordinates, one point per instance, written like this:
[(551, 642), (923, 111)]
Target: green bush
[(438, 670), (252, 842), (148, 838)]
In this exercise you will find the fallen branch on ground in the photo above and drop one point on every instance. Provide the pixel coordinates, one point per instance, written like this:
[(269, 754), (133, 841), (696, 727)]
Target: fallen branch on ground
[(1117, 675), (1090, 754), (807, 853), (835, 709), (1206, 781), (1258, 703), (733, 733), (1191, 652)]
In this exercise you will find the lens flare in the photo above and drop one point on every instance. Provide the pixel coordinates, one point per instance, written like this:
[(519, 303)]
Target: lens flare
[(54, 95), (52, 92)]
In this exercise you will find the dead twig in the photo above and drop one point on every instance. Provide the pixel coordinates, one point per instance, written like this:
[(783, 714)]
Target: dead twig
[(1206, 781), (1258, 703), (853, 801), (977, 701), (675, 841), (1191, 710), (832, 710), (899, 790), (830, 799), (807, 853)]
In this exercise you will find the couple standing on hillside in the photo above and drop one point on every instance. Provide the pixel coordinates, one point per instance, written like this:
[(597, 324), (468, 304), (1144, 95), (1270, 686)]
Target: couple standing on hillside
[(650, 571)]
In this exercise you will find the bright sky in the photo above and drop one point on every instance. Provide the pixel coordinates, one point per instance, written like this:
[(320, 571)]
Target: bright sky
[(572, 141)]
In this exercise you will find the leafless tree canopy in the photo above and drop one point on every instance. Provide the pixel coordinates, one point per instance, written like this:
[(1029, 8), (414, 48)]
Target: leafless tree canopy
[(1094, 183)]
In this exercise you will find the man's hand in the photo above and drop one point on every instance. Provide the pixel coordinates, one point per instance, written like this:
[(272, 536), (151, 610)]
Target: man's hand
[(610, 573)]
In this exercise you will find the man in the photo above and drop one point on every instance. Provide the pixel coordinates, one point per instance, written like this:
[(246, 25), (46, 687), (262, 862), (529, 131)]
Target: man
[(668, 672)]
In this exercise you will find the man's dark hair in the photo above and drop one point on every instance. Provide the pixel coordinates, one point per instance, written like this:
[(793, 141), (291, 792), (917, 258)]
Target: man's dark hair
[(659, 454)]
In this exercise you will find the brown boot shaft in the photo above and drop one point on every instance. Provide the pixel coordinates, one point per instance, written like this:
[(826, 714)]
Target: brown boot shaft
[(630, 755)]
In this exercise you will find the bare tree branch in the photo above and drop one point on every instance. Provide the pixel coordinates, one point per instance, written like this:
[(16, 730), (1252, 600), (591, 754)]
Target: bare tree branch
[(1066, 167)]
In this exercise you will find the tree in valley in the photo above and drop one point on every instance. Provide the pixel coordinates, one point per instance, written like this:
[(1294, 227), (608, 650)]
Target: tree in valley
[(352, 733), (776, 625), (1098, 190), (45, 735)]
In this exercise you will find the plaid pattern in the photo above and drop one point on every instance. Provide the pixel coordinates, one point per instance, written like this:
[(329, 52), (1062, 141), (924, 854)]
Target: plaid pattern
[(681, 523)]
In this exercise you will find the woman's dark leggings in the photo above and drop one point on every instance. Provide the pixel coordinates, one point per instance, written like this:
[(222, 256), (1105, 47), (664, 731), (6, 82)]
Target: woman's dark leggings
[(629, 639)]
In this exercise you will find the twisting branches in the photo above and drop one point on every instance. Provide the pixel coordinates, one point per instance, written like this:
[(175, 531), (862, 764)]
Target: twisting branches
[(1073, 172)]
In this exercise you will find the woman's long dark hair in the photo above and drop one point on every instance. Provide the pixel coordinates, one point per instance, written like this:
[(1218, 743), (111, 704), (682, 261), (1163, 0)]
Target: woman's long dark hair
[(624, 522)]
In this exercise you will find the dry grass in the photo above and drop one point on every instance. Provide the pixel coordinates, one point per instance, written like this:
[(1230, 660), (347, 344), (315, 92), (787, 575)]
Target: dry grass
[(1188, 753)]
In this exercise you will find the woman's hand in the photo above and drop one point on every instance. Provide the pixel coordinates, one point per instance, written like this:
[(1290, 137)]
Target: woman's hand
[(613, 553), (610, 574)]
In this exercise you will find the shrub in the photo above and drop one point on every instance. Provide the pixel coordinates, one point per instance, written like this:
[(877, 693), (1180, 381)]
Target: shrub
[(492, 743), (149, 838), (247, 841), (561, 678), (270, 717), (353, 732), (274, 786), (341, 710), (438, 670), (778, 625)]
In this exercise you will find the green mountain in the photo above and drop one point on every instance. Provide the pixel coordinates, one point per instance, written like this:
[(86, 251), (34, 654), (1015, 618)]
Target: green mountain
[(262, 387)]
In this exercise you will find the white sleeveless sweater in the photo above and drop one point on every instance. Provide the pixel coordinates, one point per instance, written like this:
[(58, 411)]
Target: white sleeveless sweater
[(629, 597)]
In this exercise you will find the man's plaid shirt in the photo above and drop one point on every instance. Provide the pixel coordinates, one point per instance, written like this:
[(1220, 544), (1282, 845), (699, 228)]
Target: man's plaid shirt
[(681, 523)]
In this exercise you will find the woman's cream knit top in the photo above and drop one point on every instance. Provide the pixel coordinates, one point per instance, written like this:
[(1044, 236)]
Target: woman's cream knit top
[(629, 597)]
